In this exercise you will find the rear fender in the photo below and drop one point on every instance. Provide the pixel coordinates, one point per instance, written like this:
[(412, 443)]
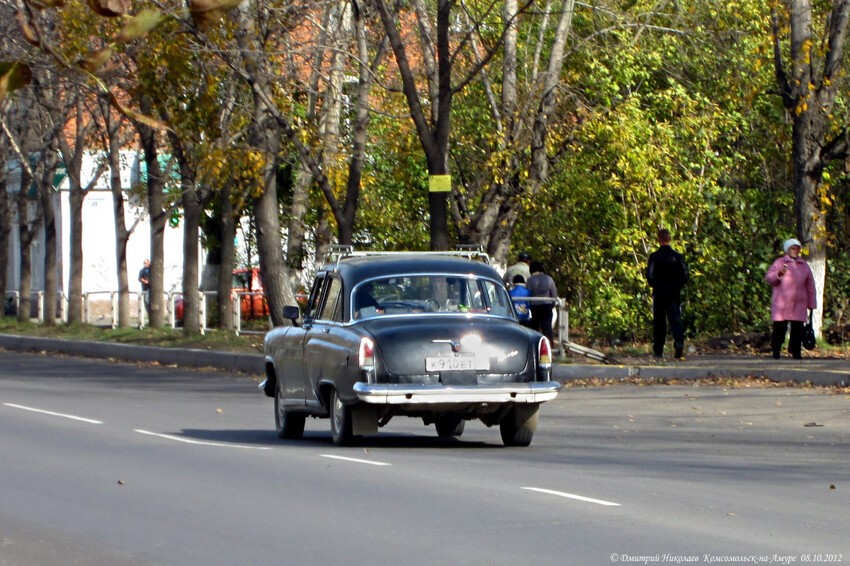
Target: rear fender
[(324, 396)]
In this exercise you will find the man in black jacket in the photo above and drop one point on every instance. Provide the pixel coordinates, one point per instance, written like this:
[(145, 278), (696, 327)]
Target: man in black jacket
[(667, 273), (145, 280)]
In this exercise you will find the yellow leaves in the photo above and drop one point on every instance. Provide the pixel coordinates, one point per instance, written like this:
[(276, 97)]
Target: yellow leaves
[(136, 116), (109, 8), (26, 29), (807, 51), (211, 165), (13, 75), (95, 61), (242, 169), (139, 26), (825, 197), (205, 13)]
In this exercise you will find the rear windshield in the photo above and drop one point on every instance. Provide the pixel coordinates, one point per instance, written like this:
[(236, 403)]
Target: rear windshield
[(418, 294)]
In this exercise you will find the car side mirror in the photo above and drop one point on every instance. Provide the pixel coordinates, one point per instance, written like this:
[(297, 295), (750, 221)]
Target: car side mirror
[(291, 313)]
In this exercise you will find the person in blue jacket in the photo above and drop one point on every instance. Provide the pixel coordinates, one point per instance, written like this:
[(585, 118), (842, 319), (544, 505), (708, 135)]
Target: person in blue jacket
[(522, 308)]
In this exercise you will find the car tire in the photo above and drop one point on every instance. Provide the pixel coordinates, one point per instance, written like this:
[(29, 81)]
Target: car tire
[(341, 429), (448, 426), (288, 425), (518, 426)]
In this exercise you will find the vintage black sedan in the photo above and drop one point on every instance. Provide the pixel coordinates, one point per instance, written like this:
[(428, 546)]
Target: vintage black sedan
[(426, 335)]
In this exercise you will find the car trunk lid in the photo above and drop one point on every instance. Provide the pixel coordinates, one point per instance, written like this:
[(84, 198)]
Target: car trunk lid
[(450, 344)]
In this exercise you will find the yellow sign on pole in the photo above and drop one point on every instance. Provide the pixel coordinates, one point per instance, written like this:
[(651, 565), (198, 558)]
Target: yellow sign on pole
[(439, 183)]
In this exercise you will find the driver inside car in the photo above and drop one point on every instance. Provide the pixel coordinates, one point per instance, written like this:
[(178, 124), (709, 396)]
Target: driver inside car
[(365, 305)]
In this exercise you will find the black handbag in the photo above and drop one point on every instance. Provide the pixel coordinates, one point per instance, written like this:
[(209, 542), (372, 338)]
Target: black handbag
[(809, 341)]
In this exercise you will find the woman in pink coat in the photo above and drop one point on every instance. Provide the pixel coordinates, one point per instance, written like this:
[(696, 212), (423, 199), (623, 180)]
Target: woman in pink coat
[(793, 293)]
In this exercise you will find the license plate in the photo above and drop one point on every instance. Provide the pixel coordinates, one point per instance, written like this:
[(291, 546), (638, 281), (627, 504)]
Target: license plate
[(458, 363)]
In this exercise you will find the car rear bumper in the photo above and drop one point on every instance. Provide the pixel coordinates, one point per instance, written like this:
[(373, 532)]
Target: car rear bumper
[(407, 394)]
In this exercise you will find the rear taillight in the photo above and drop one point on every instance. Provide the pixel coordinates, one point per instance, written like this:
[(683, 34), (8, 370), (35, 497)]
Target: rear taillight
[(367, 354), (544, 353)]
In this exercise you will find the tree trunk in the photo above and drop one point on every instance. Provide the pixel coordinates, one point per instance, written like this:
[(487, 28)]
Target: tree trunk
[(5, 225), (25, 285), (47, 193), (75, 278), (264, 134), (295, 228), (122, 233), (26, 235), (808, 85), (73, 159), (433, 136), (191, 257), (273, 270), (192, 201), (438, 160), (811, 221), (122, 236), (156, 201), (227, 261)]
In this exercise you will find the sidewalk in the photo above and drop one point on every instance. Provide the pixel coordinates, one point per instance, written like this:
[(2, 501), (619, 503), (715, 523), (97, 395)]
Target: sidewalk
[(818, 371)]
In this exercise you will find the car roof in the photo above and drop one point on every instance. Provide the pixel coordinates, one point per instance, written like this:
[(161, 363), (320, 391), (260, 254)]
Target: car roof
[(359, 268)]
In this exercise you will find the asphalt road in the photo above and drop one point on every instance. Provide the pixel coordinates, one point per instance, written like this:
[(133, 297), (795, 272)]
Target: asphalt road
[(116, 464)]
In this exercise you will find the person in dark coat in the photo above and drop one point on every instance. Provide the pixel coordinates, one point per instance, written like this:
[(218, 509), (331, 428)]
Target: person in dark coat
[(667, 273), (145, 280), (540, 284)]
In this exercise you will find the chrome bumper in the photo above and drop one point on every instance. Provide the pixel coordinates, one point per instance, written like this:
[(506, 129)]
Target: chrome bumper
[(405, 394)]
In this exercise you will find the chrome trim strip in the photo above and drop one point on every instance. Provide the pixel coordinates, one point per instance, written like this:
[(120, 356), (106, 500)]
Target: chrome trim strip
[(404, 394)]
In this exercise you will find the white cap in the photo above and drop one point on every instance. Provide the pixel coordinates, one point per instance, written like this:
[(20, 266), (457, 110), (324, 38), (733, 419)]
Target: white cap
[(791, 242)]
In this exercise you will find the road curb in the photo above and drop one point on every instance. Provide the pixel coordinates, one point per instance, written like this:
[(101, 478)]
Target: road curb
[(816, 372), (802, 372)]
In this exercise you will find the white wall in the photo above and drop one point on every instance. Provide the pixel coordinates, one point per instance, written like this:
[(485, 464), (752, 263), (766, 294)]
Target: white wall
[(99, 257)]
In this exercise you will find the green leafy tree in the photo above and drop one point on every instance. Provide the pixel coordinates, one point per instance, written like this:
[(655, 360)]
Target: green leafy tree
[(665, 133)]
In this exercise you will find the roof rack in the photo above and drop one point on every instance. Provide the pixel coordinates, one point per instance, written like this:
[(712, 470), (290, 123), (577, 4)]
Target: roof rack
[(337, 252)]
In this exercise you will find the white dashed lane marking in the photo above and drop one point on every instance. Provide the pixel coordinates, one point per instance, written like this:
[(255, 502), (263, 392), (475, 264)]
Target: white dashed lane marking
[(200, 442), (355, 460), (52, 414), (573, 496)]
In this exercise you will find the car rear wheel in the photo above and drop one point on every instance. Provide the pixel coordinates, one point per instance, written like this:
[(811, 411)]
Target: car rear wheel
[(341, 429), (448, 426), (287, 424), (518, 426)]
